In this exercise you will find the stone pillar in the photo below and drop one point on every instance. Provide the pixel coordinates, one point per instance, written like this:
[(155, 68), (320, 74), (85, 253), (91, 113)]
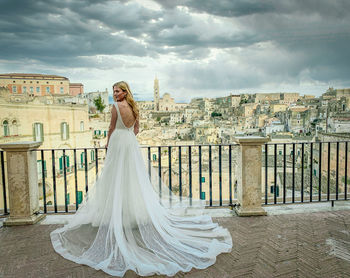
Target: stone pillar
[(22, 176), (249, 167)]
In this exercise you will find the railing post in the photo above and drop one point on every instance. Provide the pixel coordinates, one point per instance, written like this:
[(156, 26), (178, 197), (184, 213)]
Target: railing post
[(249, 193), (22, 176)]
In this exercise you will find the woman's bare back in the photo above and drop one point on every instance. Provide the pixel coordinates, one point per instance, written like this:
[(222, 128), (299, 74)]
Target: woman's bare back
[(126, 113)]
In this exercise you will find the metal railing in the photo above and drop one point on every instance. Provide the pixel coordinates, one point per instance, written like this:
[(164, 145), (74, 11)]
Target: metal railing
[(305, 172), (292, 173), (184, 169)]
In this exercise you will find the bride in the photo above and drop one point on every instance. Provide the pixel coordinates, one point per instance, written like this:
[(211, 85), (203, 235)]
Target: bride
[(127, 221)]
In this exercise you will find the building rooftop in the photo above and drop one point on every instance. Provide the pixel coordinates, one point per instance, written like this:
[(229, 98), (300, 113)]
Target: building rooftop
[(31, 75)]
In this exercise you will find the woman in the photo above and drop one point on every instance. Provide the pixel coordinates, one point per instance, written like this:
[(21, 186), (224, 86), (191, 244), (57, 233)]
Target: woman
[(129, 222)]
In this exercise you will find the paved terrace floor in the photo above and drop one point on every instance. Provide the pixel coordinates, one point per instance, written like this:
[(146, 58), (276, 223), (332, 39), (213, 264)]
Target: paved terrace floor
[(287, 244)]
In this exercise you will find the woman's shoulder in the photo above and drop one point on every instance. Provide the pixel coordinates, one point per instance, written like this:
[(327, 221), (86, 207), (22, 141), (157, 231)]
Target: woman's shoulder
[(123, 104)]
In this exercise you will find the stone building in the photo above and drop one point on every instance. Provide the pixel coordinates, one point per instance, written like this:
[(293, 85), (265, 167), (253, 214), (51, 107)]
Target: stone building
[(76, 89), (39, 84), (43, 119), (91, 97), (289, 98), (235, 100), (58, 125), (267, 97), (298, 119)]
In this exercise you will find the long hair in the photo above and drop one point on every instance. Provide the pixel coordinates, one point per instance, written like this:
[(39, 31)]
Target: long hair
[(129, 97)]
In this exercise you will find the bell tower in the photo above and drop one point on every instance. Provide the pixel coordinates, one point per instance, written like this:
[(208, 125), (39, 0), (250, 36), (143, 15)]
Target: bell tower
[(156, 94)]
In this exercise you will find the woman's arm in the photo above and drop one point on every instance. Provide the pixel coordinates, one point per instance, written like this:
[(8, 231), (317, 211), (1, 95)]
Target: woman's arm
[(112, 124), (136, 127)]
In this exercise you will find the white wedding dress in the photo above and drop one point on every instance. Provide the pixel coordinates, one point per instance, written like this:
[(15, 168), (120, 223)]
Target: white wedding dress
[(126, 222)]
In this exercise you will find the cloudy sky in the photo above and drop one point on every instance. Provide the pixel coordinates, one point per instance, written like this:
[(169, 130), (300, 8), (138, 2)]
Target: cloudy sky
[(195, 48)]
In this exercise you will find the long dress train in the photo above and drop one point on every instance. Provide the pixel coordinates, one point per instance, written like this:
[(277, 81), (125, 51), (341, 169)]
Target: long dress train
[(126, 223)]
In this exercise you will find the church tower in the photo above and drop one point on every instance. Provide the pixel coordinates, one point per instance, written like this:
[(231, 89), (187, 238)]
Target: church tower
[(156, 94)]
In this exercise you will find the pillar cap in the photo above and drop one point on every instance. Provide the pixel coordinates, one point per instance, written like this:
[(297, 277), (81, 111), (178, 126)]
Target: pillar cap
[(20, 146), (252, 140)]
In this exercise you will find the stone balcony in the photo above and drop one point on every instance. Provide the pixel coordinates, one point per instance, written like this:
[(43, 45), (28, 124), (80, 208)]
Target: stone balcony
[(295, 240), (281, 244)]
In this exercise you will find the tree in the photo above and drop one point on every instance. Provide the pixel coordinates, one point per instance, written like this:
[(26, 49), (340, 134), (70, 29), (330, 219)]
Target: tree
[(99, 103), (216, 114)]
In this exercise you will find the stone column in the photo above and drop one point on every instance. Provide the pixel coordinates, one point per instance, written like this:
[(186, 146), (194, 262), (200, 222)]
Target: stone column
[(22, 176), (249, 167)]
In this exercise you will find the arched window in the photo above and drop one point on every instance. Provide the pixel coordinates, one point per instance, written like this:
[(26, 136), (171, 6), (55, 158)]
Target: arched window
[(81, 125), (38, 132), (64, 131), (14, 127), (5, 124)]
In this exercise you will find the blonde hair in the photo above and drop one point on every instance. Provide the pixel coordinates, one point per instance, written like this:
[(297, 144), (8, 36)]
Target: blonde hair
[(129, 97)]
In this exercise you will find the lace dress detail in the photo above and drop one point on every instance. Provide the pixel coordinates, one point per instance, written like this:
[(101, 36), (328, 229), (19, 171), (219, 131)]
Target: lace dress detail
[(127, 222)]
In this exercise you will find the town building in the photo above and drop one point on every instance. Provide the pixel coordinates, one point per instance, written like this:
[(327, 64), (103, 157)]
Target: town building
[(39, 84)]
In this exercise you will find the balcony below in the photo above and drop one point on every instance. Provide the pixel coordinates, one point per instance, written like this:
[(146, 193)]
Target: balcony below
[(286, 244)]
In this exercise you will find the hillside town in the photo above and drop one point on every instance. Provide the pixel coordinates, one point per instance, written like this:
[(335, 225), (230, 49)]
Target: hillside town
[(219, 120), (61, 114)]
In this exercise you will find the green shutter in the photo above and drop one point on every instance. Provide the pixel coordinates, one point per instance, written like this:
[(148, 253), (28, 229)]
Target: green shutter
[(67, 131), (61, 162), (61, 131), (33, 125), (80, 196), (68, 201), (41, 132), (67, 161), (82, 158)]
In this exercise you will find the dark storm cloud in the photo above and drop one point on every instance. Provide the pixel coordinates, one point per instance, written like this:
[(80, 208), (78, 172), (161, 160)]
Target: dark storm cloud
[(237, 8), (52, 31), (256, 41)]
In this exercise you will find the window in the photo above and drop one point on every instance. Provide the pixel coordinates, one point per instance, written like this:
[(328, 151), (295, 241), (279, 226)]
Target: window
[(298, 116), (38, 89), (31, 89), (14, 89), (64, 131), (38, 133), (80, 196), (14, 127), (47, 89), (5, 124), (40, 168), (272, 190), (92, 155), (81, 125), (66, 159), (24, 89), (61, 90)]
